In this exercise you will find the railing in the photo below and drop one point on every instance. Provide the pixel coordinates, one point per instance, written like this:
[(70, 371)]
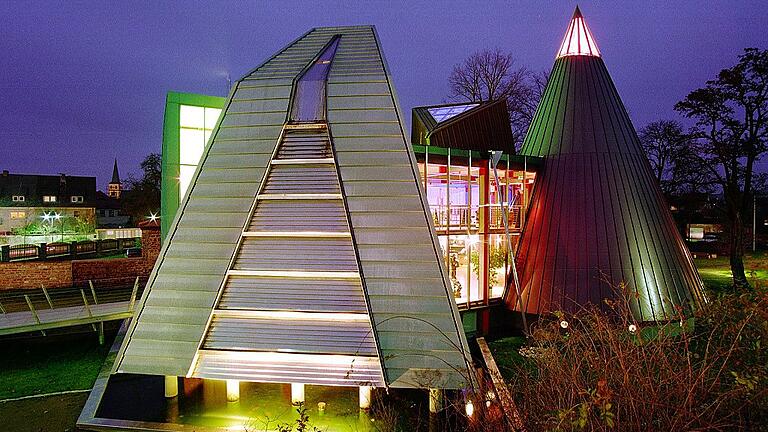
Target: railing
[(73, 250), (465, 216), (21, 251)]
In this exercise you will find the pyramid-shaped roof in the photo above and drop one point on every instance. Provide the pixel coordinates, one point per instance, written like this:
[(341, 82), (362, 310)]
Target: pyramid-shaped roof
[(597, 215), (303, 250)]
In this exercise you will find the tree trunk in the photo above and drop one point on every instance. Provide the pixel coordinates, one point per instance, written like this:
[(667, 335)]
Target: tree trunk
[(737, 254)]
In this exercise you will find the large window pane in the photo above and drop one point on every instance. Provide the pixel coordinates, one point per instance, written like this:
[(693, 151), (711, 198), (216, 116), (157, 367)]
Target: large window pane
[(191, 116), (459, 196), (498, 266), (191, 145)]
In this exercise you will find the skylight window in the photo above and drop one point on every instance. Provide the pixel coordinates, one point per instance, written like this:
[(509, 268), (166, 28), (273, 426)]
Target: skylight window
[(578, 39), (309, 94), (441, 114)]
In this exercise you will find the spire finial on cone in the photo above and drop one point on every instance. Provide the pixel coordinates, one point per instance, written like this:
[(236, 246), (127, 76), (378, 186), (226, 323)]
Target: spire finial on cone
[(578, 39)]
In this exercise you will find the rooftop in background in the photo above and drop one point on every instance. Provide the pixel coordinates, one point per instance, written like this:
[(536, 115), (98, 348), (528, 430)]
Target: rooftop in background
[(478, 126), (31, 190), (578, 39)]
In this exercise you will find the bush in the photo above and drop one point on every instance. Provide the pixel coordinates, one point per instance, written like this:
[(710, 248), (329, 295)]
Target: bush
[(603, 371)]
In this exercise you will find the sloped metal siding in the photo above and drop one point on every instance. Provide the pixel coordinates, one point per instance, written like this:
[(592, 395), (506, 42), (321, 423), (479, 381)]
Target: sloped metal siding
[(190, 269), (597, 216), (315, 336), (311, 369), (415, 318), (273, 293)]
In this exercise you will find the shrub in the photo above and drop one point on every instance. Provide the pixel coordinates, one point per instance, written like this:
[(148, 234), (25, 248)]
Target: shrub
[(603, 371)]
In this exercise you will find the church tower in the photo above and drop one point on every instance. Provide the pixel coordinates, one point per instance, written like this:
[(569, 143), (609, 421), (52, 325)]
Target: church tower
[(115, 188)]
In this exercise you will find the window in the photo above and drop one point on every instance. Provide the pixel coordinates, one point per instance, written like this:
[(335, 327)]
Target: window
[(195, 127), (77, 199), (18, 198), (18, 215), (49, 198)]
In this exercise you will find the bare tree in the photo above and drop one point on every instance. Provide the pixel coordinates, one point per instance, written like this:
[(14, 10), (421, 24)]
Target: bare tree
[(670, 152), (731, 114), (492, 75)]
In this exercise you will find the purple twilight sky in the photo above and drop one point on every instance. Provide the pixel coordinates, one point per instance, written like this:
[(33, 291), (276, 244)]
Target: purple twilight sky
[(84, 82)]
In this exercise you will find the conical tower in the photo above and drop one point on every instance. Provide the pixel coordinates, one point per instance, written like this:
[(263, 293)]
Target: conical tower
[(597, 217)]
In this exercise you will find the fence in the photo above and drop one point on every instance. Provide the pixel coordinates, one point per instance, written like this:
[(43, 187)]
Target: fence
[(60, 250)]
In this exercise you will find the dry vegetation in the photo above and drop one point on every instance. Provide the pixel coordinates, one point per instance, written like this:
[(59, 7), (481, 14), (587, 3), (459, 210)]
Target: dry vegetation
[(592, 371)]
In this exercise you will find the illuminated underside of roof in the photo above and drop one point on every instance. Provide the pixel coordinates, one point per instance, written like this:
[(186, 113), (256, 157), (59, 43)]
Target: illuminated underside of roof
[(578, 40)]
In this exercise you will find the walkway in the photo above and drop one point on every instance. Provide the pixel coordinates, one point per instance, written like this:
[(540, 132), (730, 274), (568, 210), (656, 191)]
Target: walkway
[(40, 310)]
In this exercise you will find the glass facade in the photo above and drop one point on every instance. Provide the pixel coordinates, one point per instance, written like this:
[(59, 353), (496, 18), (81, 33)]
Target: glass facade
[(195, 126), (467, 209), (189, 122)]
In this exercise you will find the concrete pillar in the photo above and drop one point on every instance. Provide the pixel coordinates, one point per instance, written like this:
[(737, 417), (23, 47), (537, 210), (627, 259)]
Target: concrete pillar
[(365, 397), (171, 386), (297, 393), (435, 400), (233, 390)]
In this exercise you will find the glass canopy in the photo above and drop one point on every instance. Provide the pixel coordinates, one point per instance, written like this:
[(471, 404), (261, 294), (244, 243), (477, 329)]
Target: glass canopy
[(441, 114)]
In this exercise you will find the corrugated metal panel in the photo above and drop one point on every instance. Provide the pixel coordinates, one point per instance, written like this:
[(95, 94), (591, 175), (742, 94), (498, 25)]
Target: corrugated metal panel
[(319, 216), (412, 309), (281, 294), (304, 144), (310, 336), (302, 178), (239, 155), (296, 254), (281, 368)]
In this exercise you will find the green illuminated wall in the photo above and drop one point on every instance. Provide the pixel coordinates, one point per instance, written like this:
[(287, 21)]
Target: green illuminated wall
[(189, 119)]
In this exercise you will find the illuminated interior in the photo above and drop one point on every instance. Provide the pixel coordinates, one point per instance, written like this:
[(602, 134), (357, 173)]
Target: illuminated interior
[(466, 207), (578, 39), (195, 126)]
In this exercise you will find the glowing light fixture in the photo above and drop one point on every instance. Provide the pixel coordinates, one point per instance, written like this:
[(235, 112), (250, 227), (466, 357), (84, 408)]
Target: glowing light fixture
[(578, 39), (297, 393), (365, 397), (233, 390), (469, 408), (153, 217)]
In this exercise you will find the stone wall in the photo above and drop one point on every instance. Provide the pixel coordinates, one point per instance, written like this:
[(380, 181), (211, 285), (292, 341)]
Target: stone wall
[(103, 272)]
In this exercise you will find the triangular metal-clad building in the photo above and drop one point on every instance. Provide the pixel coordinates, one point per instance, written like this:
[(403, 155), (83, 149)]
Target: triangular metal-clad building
[(597, 216), (303, 251)]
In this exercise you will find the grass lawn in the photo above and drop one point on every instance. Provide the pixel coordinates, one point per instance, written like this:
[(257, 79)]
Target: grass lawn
[(505, 352), (716, 272), (50, 364)]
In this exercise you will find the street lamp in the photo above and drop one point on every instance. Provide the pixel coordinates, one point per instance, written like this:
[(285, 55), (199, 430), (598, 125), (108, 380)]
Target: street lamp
[(57, 216)]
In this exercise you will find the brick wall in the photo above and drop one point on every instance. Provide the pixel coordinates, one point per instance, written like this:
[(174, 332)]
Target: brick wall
[(103, 272), (33, 274)]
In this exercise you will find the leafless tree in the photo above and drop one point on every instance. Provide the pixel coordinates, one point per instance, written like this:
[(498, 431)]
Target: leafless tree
[(670, 151), (492, 75)]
